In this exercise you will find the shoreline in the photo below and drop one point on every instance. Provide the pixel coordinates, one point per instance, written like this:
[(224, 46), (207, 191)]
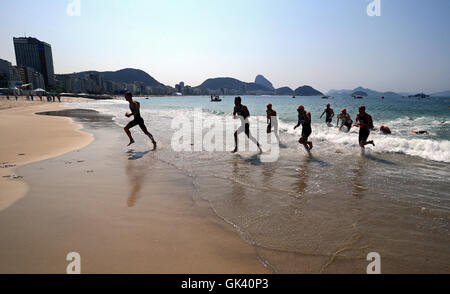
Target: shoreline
[(78, 205)]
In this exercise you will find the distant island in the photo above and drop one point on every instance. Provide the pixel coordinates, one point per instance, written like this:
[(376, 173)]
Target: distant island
[(359, 93), (360, 90), (420, 95)]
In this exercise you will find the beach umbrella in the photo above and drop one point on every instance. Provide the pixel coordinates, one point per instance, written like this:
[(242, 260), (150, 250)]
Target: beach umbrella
[(39, 91)]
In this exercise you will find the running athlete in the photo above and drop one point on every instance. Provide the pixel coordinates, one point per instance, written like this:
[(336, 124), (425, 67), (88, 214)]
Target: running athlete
[(345, 119), (138, 120), (242, 112), (329, 114), (304, 119), (365, 123)]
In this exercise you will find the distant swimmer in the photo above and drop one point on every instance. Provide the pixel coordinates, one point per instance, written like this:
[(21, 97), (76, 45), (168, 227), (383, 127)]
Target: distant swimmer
[(385, 130), (365, 123), (345, 120), (304, 119), (420, 132), (272, 121), (242, 112), (329, 114), (410, 118), (138, 120)]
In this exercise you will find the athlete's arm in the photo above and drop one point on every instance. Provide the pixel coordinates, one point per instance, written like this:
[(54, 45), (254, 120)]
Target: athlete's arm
[(308, 117), (371, 122), (299, 123), (245, 110), (323, 113)]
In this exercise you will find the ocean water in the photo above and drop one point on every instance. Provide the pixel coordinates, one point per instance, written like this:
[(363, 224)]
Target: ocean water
[(336, 204)]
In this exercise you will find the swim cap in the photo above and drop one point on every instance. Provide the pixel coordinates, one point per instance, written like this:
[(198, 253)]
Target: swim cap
[(300, 107), (269, 105), (328, 105), (344, 110)]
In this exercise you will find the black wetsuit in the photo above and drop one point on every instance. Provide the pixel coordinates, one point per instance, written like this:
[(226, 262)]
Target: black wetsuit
[(138, 120), (269, 125), (305, 121), (328, 115), (239, 111), (365, 125)]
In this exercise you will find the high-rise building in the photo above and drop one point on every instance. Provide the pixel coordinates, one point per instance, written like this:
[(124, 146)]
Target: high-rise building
[(5, 72), (36, 54)]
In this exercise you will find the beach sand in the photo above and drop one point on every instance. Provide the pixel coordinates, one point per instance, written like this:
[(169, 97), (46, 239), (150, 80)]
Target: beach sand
[(121, 209), (27, 137)]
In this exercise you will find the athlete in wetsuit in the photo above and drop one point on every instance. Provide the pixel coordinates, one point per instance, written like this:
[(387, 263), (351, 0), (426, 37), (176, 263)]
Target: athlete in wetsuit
[(304, 119), (345, 120), (364, 120), (272, 121), (329, 114), (138, 120), (385, 130), (242, 112)]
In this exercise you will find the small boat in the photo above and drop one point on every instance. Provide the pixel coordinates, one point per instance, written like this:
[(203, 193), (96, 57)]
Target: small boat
[(293, 96), (358, 97), (215, 99), (325, 97)]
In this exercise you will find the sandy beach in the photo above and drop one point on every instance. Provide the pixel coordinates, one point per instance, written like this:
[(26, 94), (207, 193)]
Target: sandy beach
[(122, 211), (28, 138)]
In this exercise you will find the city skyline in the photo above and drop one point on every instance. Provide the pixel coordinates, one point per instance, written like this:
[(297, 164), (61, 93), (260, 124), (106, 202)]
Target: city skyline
[(327, 45)]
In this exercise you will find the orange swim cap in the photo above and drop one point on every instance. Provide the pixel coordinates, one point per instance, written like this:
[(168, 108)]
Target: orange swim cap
[(344, 110), (300, 107)]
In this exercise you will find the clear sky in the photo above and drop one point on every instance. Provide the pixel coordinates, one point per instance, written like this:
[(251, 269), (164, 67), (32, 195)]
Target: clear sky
[(328, 44)]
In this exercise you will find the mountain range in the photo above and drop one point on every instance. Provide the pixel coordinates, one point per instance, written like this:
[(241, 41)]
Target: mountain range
[(126, 75), (441, 94), (261, 86), (222, 85), (369, 92)]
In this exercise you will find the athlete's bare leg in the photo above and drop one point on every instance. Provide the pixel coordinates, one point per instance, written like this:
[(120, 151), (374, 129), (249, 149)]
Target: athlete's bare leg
[(127, 131)]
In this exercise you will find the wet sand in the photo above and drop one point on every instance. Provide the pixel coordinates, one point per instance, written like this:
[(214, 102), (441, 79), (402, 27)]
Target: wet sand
[(123, 210), (27, 137)]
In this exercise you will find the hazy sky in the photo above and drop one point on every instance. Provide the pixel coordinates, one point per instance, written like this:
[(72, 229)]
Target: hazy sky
[(328, 44)]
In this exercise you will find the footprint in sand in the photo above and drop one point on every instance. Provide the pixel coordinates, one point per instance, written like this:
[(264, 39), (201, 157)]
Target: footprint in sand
[(7, 165), (21, 154), (80, 161), (89, 171)]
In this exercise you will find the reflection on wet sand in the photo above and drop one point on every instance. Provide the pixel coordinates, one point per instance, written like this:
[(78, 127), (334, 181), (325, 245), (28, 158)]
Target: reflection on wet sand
[(238, 190), (269, 169), (135, 171), (302, 176), (358, 184)]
